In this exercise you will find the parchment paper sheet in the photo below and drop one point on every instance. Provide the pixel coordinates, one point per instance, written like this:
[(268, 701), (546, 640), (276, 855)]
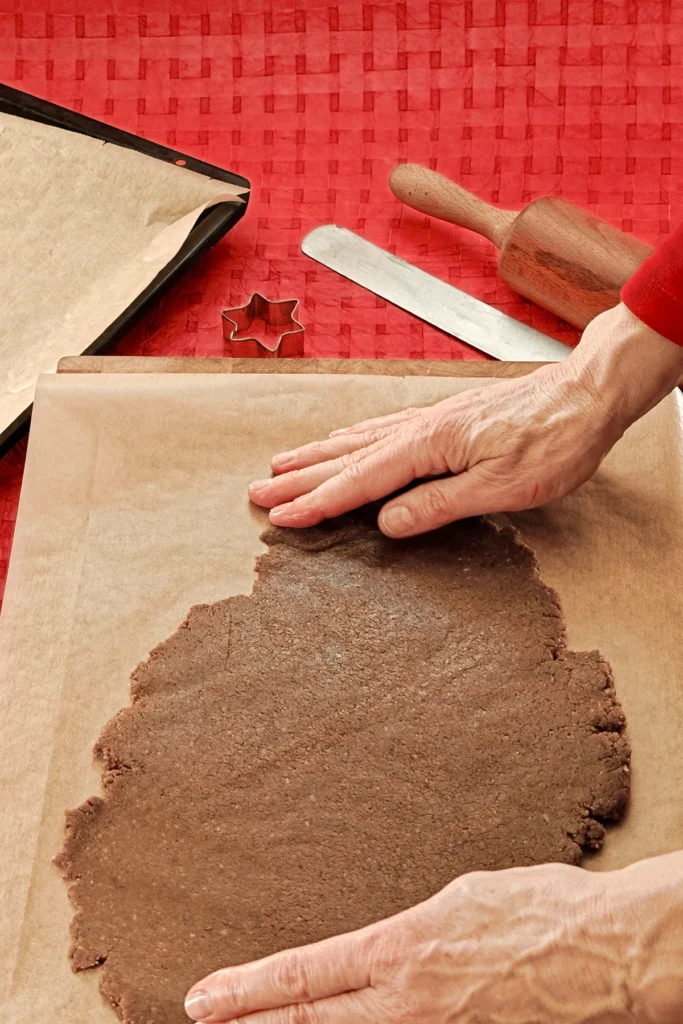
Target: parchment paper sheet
[(134, 508), (85, 226)]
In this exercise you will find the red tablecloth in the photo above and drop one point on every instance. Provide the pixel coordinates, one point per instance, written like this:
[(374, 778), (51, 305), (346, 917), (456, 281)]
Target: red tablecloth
[(315, 103)]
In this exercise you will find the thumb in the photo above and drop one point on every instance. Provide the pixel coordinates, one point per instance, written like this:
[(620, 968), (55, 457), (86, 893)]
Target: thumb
[(433, 504), (337, 965)]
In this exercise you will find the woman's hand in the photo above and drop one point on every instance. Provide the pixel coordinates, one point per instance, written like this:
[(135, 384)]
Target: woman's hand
[(548, 945), (509, 446)]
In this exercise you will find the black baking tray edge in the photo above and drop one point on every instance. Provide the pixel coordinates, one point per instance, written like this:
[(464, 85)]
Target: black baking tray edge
[(210, 227)]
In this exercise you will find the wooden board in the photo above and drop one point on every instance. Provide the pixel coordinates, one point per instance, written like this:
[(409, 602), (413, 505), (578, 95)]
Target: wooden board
[(388, 367)]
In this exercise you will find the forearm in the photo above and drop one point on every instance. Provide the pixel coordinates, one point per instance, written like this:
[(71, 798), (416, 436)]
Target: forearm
[(648, 921)]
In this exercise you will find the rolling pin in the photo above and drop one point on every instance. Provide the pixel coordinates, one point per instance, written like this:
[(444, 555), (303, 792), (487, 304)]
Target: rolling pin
[(552, 252)]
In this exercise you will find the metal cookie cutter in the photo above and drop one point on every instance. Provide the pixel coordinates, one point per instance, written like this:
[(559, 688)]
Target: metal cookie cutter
[(283, 335)]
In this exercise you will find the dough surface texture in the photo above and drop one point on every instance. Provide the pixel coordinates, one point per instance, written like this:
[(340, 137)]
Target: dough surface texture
[(375, 719)]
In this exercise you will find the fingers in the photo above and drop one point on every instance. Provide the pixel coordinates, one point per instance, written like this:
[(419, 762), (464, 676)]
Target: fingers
[(324, 451), (340, 442), (316, 972), (383, 470), (350, 1008), (285, 488), (288, 486), (472, 493)]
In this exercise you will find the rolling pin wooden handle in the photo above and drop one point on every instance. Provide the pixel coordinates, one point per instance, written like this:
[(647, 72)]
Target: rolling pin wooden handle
[(433, 194)]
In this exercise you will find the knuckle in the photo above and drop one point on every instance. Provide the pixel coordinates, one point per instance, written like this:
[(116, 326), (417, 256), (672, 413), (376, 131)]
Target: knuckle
[(296, 476), (518, 447), (356, 479), (316, 450), (391, 947), (421, 423), (373, 436), (474, 878), (435, 505), (300, 1013), (233, 996), (354, 469), (292, 979), (436, 436), (552, 873), (469, 884)]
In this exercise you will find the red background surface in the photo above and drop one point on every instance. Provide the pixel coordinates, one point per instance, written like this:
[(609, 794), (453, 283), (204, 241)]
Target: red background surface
[(316, 102)]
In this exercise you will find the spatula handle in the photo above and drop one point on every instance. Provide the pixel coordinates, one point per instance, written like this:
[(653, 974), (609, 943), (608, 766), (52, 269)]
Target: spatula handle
[(437, 196)]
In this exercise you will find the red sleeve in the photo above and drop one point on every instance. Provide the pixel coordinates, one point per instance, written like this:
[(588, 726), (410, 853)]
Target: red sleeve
[(655, 292)]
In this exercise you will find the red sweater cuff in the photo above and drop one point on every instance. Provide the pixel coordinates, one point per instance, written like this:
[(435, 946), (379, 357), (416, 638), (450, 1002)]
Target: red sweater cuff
[(655, 292)]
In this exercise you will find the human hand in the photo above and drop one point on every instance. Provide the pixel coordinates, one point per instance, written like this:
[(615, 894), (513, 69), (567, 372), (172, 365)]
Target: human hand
[(509, 446), (541, 945)]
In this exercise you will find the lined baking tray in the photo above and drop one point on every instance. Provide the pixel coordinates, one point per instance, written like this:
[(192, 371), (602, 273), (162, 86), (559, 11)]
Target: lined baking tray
[(212, 224)]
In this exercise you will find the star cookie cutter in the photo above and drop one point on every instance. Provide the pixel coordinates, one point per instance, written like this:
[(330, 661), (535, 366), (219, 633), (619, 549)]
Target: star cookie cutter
[(288, 343)]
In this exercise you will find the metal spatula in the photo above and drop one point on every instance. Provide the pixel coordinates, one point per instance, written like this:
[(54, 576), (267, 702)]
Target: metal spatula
[(428, 298)]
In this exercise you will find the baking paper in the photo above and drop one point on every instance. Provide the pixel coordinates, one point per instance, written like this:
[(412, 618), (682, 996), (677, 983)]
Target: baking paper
[(85, 226), (134, 508)]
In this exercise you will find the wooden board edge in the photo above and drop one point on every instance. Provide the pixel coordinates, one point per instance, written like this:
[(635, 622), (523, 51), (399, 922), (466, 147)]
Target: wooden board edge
[(384, 367)]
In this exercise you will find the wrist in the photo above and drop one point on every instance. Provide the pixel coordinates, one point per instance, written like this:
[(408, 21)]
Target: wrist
[(625, 365), (647, 909)]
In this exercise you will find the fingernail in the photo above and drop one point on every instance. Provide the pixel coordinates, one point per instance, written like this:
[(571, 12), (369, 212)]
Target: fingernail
[(279, 509), (283, 460), (397, 520), (258, 485), (199, 1005), (341, 430)]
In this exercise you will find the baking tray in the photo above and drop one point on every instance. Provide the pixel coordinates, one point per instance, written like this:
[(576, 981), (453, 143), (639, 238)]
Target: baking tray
[(209, 228)]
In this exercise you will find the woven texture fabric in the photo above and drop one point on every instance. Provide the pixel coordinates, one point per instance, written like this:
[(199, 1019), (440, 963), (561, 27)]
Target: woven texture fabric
[(316, 102)]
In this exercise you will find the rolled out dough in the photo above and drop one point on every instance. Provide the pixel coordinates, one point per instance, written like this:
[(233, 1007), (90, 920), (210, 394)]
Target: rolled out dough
[(373, 720)]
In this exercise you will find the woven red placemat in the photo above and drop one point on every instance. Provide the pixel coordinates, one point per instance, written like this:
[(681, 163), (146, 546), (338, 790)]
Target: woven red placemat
[(316, 103)]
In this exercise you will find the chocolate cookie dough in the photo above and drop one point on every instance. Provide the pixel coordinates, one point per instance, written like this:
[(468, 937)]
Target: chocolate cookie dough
[(373, 720)]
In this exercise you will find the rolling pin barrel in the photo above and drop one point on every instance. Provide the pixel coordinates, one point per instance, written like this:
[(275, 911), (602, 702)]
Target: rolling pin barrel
[(554, 253)]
